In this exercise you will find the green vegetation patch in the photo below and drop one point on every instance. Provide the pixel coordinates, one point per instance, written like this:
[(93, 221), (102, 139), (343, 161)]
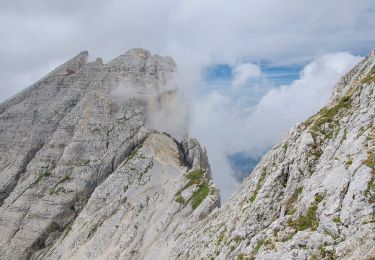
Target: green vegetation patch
[(329, 116), (309, 219), (68, 229), (134, 252), (195, 177), (133, 153), (46, 173), (54, 190), (92, 232), (370, 191), (253, 197), (370, 77), (327, 254), (258, 187), (254, 252), (319, 198), (285, 147), (326, 123), (337, 220), (124, 200), (289, 206), (370, 162), (269, 244), (258, 246), (199, 195), (180, 199), (140, 179), (221, 237)]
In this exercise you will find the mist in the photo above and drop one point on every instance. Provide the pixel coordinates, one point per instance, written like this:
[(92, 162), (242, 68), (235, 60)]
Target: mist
[(166, 108), (226, 126)]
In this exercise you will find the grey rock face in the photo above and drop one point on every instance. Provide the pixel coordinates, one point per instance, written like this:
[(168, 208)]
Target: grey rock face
[(134, 213), (76, 157), (310, 197)]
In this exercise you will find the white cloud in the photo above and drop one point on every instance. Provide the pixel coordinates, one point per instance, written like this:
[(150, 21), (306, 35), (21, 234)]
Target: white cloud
[(245, 71), (166, 108), (37, 34), (282, 107), (224, 127)]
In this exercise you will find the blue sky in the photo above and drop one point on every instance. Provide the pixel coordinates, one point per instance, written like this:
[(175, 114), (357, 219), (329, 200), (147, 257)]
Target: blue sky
[(222, 74)]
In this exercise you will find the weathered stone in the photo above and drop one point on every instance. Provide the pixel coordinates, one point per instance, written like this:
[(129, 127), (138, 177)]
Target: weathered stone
[(76, 158)]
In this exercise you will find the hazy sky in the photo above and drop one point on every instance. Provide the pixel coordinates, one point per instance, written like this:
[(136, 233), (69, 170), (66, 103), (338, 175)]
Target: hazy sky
[(247, 111)]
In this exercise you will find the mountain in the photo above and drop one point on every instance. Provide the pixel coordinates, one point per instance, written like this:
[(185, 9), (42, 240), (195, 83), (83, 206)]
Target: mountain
[(83, 175)]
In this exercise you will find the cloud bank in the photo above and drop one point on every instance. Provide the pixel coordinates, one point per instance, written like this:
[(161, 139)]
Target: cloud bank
[(39, 35), (225, 127), (244, 72)]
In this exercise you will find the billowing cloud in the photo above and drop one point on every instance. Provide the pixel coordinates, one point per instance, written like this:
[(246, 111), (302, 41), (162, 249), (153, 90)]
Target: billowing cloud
[(226, 127), (38, 35), (245, 71), (165, 106)]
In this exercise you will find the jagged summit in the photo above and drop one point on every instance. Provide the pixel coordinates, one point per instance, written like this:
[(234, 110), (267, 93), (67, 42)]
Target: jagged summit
[(354, 77), (80, 163)]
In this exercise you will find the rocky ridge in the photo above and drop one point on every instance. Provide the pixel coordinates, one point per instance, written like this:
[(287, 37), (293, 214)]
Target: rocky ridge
[(79, 167), (312, 196)]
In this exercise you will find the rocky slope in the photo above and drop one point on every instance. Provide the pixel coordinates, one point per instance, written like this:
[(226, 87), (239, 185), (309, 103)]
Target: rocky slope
[(312, 196), (81, 173)]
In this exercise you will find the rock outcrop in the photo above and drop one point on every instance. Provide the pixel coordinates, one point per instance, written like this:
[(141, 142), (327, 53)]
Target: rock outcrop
[(81, 174), (312, 196)]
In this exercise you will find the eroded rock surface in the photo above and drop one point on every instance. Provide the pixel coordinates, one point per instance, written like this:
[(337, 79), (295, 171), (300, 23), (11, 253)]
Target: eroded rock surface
[(80, 173)]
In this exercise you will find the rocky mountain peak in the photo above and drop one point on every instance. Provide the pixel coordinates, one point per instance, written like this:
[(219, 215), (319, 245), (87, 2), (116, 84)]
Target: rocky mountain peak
[(355, 76), (72, 65), (79, 156)]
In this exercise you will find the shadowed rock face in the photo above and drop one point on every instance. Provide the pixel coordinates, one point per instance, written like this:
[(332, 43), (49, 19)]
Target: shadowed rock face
[(78, 167), (312, 196)]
